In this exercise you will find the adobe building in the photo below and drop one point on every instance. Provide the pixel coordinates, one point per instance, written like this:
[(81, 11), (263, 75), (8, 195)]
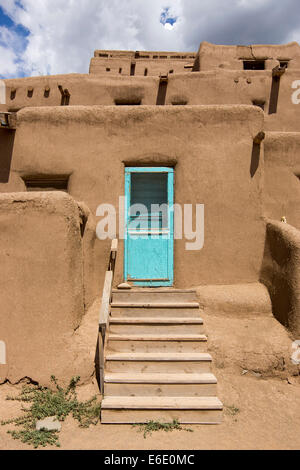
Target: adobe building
[(218, 128)]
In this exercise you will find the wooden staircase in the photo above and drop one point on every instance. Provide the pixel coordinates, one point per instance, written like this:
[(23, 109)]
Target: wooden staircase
[(155, 362)]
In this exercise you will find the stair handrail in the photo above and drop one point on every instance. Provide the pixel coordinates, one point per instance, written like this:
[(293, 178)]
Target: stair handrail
[(105, 307)]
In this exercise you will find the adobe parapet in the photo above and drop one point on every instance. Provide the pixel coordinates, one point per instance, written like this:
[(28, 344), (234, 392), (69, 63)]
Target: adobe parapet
[(252, 57), (145, 63)]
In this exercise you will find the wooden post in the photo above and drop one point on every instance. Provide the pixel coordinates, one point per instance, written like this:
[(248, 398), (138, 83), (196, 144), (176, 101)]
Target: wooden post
[(101, 360), (105, 310)]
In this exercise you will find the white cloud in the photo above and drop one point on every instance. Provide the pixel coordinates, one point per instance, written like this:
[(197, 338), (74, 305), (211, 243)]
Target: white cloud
[(64, 33), (8, 66), (169, 26)]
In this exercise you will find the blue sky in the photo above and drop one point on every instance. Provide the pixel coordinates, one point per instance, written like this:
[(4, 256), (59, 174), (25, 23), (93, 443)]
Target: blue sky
[(40, 37), (5, 20), (13, 40), (166, 17)]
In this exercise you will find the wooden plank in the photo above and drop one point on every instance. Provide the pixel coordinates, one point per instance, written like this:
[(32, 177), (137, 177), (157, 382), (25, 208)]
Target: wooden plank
[(106, 297), (160, 356), (114, 245), (160, 337), (156, 321), (101, 361), (105, 311), (124, 416), (161, 378), (182, 403), (160, 389), (155, 305)]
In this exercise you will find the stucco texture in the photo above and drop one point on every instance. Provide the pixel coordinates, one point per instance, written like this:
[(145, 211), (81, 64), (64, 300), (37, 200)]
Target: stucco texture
[(42, 289), (211, 148), (281, 273)]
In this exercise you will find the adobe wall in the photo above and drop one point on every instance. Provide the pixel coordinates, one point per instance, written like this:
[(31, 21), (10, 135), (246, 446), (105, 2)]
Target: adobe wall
[(151, 63), (281, 273), (84, 90), (210, 147), (282, 173), (212, 87), (42, 289), (212, 56)]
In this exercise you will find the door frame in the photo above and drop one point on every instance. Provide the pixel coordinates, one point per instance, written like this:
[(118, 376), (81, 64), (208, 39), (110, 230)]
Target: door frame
[(170, 188)]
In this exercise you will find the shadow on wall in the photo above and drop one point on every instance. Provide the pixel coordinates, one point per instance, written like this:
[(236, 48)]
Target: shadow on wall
[(280, 273), (255, 157), (7, 138), (256, 149)]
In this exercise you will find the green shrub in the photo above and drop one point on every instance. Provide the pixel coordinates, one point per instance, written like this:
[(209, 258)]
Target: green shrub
[(47, 403), (151, 426)]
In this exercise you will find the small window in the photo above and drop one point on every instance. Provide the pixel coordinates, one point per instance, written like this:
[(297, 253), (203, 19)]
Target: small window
[(107, 69), (120, 70), (284, 63), (46, 183), (13, 92), (103, 55), (145, 72), (254, 64), (179, 102), (171, 71), (128, 102), (132, 68)]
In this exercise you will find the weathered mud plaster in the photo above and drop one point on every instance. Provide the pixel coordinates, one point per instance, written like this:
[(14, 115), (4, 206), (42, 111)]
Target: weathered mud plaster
[(281, 273), (219, 79), (237, 299), (214, 109), (42, 298), (243, 333), (281, 179), (213, 150)]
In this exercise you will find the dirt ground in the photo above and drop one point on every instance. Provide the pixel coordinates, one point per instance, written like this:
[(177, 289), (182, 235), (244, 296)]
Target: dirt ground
[(258, 414)]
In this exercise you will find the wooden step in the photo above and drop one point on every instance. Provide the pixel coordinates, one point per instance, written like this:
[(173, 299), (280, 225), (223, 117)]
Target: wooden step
[(132, 345), (156, 343), (157, 337), (148, 325), (154, 295), (155, 312), (200, 410), (160, 321), (146, 304), (158, 362), (141, 384)]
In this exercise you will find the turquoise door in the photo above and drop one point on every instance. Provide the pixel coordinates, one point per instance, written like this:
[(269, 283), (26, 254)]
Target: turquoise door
[(149, 226)]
